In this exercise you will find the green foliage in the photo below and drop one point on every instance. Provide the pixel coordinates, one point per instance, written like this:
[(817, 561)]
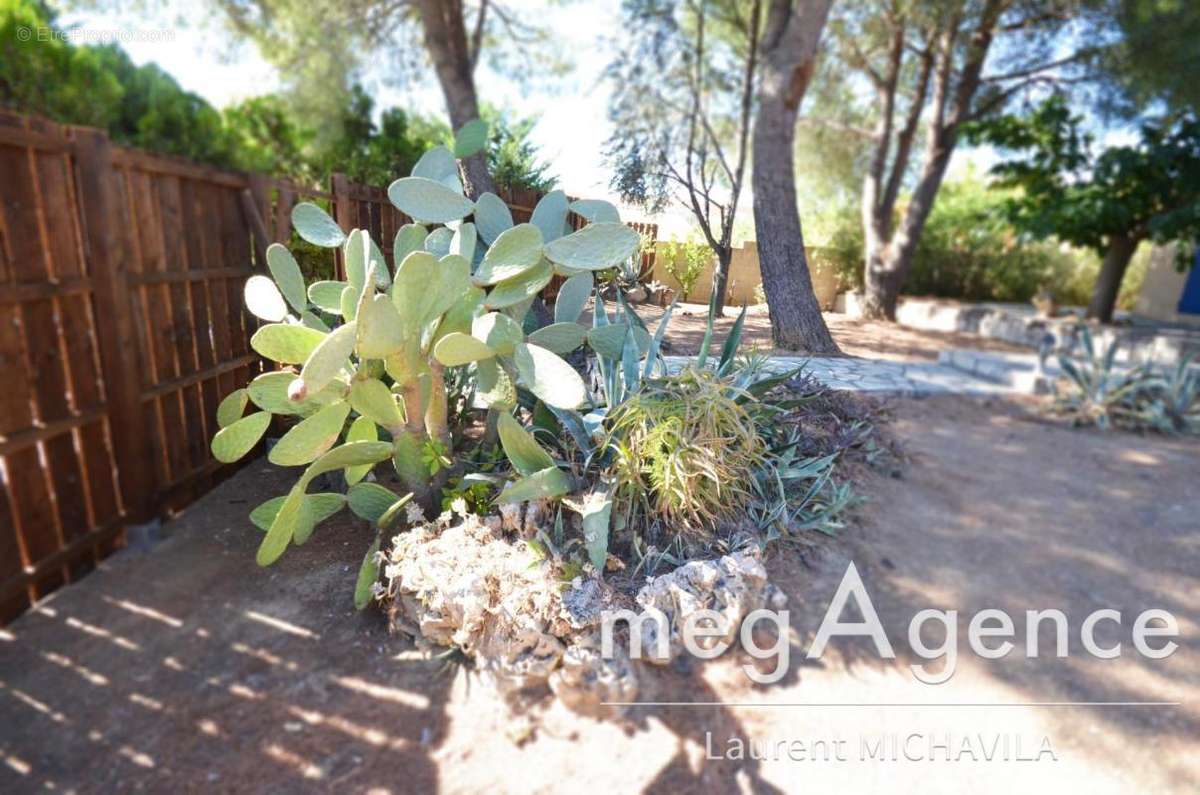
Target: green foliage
[(686, 452), (476, 496), (375, 156), (512, 157), (143, 106), (365, 152), (1153, 58), (265, 138), (685, 261), (1150, 189), (970, 251), (51, 77), (101, 87)]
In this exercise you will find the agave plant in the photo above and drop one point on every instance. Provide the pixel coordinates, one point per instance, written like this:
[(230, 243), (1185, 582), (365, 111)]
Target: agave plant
[(1173, 406), (1096, 392)]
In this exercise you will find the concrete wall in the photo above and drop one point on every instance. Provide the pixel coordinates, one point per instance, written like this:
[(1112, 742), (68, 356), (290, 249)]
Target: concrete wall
[(1162, 288), (745, 277)]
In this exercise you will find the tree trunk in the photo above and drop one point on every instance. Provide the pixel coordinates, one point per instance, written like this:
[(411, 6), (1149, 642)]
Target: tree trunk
[(446, 41), (1112, 272), (790, 47), (881, 289), (720, 282), (888, 264), (950, 107)]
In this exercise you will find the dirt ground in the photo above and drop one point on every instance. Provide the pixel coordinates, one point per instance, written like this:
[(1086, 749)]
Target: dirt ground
[(856, 337), (188, 668)]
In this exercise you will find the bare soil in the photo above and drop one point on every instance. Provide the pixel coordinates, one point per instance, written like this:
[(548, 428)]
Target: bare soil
[(854, 336), (188, 668)]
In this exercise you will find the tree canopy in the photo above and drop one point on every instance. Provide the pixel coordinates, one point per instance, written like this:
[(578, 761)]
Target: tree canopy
[(1086, 194), (1106, 198), (1152, 61)]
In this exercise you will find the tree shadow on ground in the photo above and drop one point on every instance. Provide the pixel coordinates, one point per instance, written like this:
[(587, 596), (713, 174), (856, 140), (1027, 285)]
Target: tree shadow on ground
[(999, 509), (191, 668)]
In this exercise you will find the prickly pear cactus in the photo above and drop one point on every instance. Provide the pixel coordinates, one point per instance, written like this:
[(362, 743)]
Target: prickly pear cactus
[(363, 360)]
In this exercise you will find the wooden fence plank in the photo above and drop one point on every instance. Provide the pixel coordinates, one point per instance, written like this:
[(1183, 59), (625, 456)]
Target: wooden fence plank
[(344, 213), (40, 528), (183, 323), (118, 344), (19, 470), (59, 398)]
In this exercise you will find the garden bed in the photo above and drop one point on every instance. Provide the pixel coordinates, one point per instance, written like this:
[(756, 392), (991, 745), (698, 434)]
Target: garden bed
[(190, 667)]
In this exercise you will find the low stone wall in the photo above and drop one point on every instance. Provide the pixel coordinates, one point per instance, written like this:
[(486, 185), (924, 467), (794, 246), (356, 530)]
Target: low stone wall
[(1019, 324), (1013, 323)]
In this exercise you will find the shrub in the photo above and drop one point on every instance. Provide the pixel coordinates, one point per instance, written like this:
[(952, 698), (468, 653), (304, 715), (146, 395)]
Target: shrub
[(969, 252), (686, 451), (685, 262)]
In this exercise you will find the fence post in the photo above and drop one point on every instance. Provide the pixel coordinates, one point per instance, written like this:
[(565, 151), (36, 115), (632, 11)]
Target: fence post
[(343, 212), (257, 206), (119, 356)]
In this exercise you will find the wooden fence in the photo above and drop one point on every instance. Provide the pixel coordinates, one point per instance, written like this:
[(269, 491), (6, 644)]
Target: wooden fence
[(121, 329)]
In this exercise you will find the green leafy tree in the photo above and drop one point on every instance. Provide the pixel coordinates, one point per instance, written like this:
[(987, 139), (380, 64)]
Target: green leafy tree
[(143, 106), (1108, 199), (932, 67), (1154, 56), (685, 263), (512, 157), (264, 138), (155, 113), (322, 47), (682, 110), (101, 87), (375, 154), (49, 76)]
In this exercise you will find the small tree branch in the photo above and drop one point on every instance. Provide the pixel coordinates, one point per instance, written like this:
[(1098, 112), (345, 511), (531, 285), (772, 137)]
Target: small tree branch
[(1033, 70), (477, 34), (905, 139)]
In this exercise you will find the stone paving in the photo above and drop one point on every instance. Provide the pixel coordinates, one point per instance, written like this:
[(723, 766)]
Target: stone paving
[(1020, 372), (909, 379)]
